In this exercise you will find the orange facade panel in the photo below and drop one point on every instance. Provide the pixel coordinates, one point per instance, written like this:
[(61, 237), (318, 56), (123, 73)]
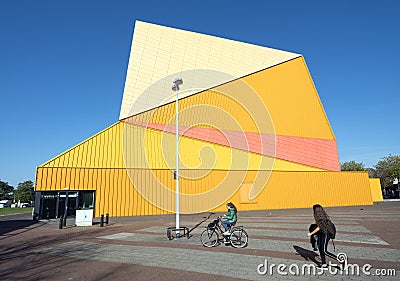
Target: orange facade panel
[(284, 93), (292, 100)]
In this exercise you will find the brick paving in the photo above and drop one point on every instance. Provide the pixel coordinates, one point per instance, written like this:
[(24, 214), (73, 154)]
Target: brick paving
[(136, 248)]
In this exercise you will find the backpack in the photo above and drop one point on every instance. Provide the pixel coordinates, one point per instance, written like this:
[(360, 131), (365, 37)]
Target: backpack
[(332, 235), (333, 228)]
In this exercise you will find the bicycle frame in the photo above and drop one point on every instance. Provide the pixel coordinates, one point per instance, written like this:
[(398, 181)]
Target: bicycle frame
[(186, 231), (218, 228)]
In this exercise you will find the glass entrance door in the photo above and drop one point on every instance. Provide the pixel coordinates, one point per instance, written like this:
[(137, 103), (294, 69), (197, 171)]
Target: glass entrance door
[(48, 205), (54, 204), (67, 203), (72, 203)]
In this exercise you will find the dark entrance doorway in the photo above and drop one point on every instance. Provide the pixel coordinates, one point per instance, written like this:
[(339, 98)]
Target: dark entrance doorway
[(54, 204), (67, 203)]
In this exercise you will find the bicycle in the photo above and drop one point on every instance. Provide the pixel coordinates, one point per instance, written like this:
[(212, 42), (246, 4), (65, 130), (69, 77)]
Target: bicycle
[(186, 231), (210, 237)]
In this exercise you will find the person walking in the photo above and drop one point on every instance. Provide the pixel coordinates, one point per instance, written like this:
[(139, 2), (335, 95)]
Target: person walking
[(324, 230)]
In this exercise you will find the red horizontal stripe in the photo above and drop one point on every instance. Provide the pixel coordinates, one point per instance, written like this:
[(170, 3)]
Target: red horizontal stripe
[(319, 153)]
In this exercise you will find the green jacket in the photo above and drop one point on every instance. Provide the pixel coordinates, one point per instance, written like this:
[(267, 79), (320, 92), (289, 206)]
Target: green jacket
[(231, 216)]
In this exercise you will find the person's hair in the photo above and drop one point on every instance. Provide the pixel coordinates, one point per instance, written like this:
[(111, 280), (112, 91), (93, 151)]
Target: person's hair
[(230, 205), (321, 218)]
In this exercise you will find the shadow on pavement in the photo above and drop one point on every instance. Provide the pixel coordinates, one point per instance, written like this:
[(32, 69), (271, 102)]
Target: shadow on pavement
[(13, 225), (18, 245), (307, 254)]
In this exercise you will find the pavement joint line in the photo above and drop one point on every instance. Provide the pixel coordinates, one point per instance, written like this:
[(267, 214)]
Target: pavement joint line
[(345, 228), (342, 237), (291, 220), (371, 253)]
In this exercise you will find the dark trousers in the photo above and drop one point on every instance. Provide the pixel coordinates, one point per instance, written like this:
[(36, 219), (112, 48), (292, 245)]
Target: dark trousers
[(314, 237), (323, 239)]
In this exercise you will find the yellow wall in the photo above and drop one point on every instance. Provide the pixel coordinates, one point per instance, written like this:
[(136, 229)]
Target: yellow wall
[(376, 190), (304, 189), (147, 186), (116, 195)]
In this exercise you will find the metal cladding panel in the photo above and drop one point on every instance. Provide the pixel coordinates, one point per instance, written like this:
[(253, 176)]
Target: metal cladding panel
[(147, 148), (224, 108), (321, 154), (103, 150), (159, 54), (116, 193), (288, 92), (153, 149), (376, 190), (288, 189), (305, 189)]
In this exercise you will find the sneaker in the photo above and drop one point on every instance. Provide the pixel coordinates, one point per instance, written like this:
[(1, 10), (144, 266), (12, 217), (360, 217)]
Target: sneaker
[(226, 233)]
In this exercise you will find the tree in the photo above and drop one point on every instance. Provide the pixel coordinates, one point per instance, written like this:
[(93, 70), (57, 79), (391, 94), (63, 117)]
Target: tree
[(388, 169), (6, 191), (25, 192), (372, 173), (352, 166)]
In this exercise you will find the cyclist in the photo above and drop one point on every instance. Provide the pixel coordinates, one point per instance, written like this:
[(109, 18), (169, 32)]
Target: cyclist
[(230, 218)]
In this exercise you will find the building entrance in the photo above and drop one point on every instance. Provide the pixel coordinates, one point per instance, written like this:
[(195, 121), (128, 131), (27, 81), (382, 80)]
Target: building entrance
[(54, 204)]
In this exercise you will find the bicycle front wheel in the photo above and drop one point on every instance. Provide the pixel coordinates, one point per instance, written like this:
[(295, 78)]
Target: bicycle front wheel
[(239, 238), (209, 238)]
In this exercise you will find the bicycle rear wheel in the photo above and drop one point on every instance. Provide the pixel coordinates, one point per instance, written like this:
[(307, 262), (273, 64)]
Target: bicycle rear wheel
[(209, 238), (239, 238)]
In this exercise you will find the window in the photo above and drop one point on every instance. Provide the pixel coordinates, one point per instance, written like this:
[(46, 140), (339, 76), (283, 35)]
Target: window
[(86, 200)]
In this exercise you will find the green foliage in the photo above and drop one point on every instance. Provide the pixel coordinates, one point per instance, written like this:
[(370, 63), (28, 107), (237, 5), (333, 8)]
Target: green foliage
[(388, 169), (352, 166), (25, 192), (6, 191), (372, 173), (10, 211)]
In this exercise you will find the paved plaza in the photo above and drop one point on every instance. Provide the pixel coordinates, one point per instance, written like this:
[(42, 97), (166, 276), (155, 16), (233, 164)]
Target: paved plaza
[(136, 248)]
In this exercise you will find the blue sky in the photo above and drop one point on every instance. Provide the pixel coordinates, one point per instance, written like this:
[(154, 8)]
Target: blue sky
[(63, 66)]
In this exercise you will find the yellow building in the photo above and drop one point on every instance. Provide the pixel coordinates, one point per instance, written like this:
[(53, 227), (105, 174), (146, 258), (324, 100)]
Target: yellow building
[(252, 130)]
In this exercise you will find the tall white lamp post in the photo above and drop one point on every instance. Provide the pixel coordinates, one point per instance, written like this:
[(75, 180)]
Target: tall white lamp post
[(175, 87)]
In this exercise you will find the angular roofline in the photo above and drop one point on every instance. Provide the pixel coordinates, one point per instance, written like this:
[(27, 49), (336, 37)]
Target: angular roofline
[(207, 89), (216, 36), (261, 57), (82, 142)]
